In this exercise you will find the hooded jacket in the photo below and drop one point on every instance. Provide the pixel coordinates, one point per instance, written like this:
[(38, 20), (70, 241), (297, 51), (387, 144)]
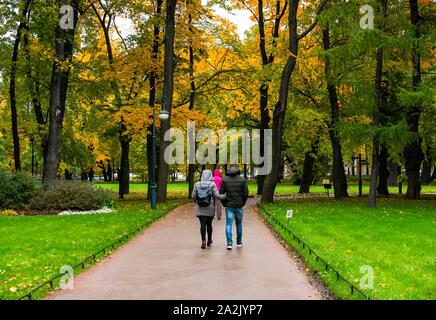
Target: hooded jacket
[(206, 180), (236, 189), (217, 178)]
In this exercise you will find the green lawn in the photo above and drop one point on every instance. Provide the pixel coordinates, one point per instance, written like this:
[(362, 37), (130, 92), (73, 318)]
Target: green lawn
[(174, 189), (397, 240), (34, 248), (180, 189), (353, 189)]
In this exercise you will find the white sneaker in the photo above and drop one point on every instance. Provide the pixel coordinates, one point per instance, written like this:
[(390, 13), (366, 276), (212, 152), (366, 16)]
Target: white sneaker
[(229, 247), (239, 245)]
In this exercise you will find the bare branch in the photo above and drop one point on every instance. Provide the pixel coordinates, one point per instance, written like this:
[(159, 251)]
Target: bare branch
[(121, 37), (249, 9), (308, 96)]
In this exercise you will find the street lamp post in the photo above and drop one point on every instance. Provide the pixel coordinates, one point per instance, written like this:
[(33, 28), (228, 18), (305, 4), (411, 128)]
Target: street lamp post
[(163, 115), (153, 186)]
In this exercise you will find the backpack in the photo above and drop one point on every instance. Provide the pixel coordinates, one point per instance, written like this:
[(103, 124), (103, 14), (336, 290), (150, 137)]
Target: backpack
[(204, 195)]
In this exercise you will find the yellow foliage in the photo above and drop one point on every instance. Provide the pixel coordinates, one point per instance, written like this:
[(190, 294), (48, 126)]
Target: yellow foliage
[(8, 213)]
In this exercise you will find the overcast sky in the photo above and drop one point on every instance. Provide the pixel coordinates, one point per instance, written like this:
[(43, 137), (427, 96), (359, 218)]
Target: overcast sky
[(241, 18)]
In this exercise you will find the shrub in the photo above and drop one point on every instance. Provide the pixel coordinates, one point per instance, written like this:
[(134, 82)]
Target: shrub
[(68, 195), (8, 213), (17, 190)]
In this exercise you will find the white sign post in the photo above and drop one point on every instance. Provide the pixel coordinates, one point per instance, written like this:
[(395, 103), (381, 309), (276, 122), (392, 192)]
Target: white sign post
[(289, 215)]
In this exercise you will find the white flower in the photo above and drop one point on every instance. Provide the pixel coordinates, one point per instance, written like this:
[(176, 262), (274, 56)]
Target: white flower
[(71, 213)]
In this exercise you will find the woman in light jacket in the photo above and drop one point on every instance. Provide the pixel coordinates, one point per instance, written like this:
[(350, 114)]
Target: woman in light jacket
[(206, 213)]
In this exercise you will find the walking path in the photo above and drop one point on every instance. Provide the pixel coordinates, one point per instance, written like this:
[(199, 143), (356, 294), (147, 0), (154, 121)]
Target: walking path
[(166, 262)]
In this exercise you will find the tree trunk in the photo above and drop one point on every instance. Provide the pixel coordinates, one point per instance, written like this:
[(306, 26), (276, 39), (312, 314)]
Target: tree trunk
[(353, 169), (167, 97), (12, 85), (412, 151), (264, 124), (426, 172), (34, 86), (191, 167), (393, 173), (64, 44), (103, 169), (307, 177), (124, 172), (367, 165), (152, 101), (264, 87), (190, 179), (433, 176), (309, 161), (360, 175), (114, 170), (372, 202), (91, 175), (34, 90), (383, 172), (339, 179), (426, 167), (83, 176), (109, 171), (280, 107)]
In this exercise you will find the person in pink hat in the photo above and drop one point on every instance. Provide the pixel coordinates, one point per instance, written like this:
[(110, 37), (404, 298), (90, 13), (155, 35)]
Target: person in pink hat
[(217, 178)]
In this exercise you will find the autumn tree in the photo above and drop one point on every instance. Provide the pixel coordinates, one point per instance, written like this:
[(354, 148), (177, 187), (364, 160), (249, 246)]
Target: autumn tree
[(64, 45), (167, 97), (269, 34), (153, 89), (413, 152), (12, 86), (281, 105), (106, 19), (377, 110)]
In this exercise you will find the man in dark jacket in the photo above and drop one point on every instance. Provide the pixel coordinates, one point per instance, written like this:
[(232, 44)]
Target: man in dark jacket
[(236, 190)]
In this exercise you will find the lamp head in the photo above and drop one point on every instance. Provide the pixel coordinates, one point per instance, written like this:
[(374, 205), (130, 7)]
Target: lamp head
[(164, 115)]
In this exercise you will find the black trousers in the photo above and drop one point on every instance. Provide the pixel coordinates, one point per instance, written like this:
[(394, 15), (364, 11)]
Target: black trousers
[(206, 225)]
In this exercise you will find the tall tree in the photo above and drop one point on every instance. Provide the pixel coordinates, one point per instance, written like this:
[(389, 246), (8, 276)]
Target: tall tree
[(167, 97), (191, 167), (64, 44), (281, 105), (267, 60), (376, 118), (339, 179), (12, 84), (106, 20), (152, 98), (33, 81), (413, 154)]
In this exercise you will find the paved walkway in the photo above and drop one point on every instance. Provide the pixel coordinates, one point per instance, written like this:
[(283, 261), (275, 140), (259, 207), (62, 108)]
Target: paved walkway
[(166, 262)]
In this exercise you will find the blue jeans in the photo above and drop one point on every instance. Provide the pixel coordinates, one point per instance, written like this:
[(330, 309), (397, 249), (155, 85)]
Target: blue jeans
[(237, 213)]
